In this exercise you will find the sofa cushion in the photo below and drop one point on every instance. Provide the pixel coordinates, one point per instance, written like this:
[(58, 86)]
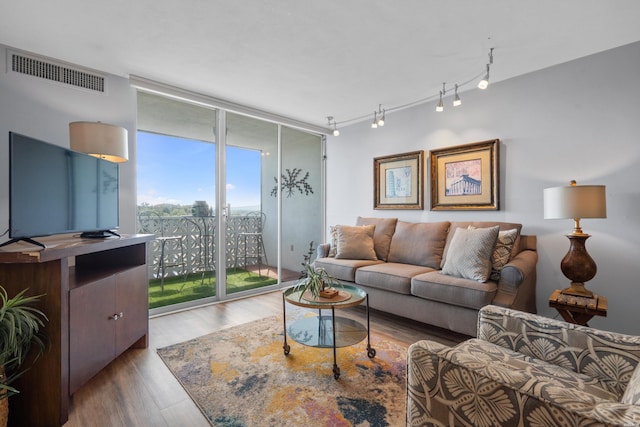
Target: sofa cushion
[(470, 253), (481, 224), (355, 242), (343, 269), (502, 251), (631, 394), (385, 227), (390, 276), (453, 290), (418, 243)]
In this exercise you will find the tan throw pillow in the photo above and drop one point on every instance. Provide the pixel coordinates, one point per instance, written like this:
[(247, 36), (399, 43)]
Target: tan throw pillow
[(385, 227), (355, 242), (469, 254), (333, 232)]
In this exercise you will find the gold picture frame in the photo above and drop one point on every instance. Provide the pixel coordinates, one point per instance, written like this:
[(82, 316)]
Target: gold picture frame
[(398, 181), (466, 177)]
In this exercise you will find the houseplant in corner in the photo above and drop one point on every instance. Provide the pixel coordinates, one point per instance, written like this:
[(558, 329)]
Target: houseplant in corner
[(20, 328)]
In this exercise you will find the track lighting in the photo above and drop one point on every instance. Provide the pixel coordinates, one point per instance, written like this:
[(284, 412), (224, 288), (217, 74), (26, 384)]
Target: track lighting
[(379, 115), (484, 83), (440, 107), (456, 101), (330, 122)]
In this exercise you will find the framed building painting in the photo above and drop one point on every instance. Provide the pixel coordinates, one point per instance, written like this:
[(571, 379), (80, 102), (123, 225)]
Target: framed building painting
[(398, 181), (466, 177)]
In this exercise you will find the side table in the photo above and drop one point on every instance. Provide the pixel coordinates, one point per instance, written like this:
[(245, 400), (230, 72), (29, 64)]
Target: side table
[(578, 310)]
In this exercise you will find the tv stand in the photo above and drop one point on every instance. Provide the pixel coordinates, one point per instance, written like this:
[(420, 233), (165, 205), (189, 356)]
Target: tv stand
[(101, 234), (24, 239), (94, 293)]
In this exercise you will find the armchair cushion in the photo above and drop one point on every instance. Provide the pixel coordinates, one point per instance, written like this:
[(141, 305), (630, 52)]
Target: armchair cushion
[(631, 395)]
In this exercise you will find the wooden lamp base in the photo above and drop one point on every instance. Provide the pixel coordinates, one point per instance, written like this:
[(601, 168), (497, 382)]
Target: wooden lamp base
[(578, 266)]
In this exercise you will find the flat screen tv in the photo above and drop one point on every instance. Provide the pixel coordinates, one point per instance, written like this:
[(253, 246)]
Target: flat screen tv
[(54, 190)]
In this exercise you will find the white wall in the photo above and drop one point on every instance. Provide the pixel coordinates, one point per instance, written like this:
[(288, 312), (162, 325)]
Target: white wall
[(43, 109), (579, 120)]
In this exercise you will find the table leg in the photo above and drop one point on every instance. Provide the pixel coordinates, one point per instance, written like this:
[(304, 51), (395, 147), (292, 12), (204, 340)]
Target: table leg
[(336, 369), (371, 352), (285, 346)]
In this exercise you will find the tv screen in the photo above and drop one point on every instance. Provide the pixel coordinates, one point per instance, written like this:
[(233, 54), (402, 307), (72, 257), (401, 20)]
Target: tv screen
[(54, 190)]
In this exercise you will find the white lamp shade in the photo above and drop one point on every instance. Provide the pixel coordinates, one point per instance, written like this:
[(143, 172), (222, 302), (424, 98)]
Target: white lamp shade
[(101, 140), (575, 201)]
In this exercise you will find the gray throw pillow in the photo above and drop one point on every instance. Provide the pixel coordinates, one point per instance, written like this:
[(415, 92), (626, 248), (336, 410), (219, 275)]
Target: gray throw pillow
[(355, 242), (469, 254)]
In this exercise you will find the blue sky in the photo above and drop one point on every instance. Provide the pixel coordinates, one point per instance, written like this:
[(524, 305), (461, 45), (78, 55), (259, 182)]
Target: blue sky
[(181, 171)]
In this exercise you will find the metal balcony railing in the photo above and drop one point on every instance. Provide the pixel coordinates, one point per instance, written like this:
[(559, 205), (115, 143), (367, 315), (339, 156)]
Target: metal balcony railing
[(193, 247)]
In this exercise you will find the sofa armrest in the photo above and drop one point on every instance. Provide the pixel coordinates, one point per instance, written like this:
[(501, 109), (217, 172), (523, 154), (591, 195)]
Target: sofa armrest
[(447, 386), (608, 357), (322, 251), (517, 283)]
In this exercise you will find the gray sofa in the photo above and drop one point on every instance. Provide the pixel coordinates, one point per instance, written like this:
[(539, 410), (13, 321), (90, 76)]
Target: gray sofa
[(439, 273)]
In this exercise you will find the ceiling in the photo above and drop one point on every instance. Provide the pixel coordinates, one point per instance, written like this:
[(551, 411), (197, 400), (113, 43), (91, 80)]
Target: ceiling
[(307, 60)]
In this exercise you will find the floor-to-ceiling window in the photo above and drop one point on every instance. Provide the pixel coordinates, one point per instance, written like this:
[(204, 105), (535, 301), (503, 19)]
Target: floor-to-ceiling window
[(246, 178)]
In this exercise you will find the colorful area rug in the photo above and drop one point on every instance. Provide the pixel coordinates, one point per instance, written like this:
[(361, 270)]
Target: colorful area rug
[(240, 377)]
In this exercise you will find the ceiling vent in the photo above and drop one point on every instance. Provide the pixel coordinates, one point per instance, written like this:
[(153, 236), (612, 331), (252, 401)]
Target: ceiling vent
[(46, 69)]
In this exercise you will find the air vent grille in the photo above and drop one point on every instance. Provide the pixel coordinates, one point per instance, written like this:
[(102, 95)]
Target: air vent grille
[(55, 72)]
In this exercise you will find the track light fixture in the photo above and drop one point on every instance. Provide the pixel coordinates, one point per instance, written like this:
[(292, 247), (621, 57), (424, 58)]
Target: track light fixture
[(484, 83), (331, 122), (379, 115), (456, 100), (440, 106)]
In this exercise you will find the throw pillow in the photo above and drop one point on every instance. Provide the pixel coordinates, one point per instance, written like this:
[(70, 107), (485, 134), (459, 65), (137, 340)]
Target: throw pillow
[(631, 394), (355, 242), (385, 228), (333, 232), (469, 254), (502, 252)]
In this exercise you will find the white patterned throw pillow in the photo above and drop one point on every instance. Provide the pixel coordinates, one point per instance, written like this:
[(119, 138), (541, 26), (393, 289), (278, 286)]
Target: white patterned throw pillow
[(469, 254)]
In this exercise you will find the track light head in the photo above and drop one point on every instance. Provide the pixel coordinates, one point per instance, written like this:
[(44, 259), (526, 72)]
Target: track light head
[(374, 123), (484, 83), (336, 132), (457, 101), (381, 119), (330, 121), (440, 106)]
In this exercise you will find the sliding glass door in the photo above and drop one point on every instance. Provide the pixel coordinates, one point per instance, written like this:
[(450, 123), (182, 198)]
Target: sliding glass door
[(216, 188)]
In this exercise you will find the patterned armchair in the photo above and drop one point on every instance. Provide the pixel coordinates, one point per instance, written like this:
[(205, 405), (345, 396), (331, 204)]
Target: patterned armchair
[(525, 370)]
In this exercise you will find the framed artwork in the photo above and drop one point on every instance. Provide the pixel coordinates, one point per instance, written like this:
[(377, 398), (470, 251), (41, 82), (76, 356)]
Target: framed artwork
[(465, 177), (398, 181)]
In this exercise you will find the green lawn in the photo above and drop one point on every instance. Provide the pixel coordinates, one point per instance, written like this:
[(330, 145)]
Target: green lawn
[(177, 289)]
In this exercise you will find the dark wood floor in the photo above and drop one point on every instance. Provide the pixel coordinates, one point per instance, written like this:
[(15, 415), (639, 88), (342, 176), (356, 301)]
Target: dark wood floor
[(137, 389)]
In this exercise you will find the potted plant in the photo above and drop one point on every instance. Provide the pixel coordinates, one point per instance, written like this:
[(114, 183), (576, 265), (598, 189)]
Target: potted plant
[(20, 327), (318, 282)]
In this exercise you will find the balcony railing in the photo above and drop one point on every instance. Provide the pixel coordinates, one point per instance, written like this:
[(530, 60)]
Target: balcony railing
[(189, 242)]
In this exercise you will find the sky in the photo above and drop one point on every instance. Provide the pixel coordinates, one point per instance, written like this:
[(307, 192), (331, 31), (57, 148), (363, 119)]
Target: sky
[(180, 171)]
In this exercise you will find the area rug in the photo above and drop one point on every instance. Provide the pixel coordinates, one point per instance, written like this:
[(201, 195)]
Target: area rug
[(240, 377)]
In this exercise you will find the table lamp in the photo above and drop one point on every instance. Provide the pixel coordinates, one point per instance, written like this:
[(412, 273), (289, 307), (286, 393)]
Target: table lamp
[(576, 202), (101, 140)]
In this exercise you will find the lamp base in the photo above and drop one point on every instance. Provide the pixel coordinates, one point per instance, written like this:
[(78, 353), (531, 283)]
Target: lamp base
[(577, 289), (578, 266)]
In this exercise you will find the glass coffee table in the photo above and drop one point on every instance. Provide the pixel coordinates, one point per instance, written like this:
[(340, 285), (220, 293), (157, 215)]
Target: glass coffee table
[(327, 331)]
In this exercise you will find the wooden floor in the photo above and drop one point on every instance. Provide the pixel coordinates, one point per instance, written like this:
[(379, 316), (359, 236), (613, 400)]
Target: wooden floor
[(137, 389)]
